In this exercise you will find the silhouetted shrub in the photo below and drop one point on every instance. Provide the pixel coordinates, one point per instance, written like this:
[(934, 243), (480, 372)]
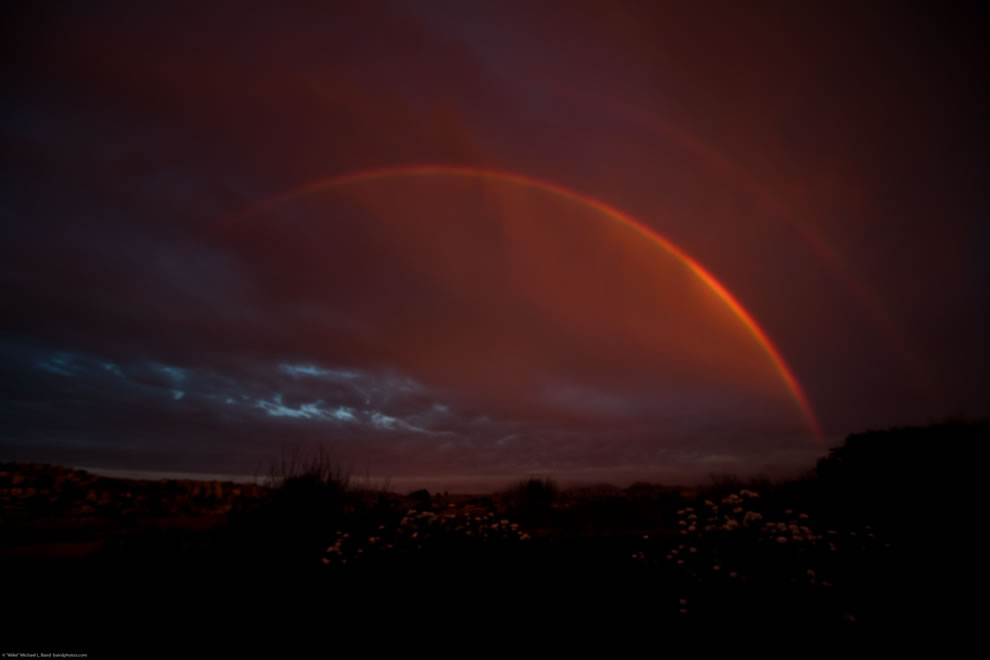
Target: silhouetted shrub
[(420, 499), (309, 500), (874, 474), (485, 502), (530, 500)]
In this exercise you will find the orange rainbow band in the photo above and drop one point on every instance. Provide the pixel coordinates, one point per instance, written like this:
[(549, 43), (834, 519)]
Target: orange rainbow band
[(506, 177), (718, 162)]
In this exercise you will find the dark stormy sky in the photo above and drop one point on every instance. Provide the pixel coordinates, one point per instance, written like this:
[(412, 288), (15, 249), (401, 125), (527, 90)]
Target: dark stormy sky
[(590, 240)]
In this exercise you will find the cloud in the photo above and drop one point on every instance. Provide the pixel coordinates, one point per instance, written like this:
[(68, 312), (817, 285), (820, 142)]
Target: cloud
[(312, 370)]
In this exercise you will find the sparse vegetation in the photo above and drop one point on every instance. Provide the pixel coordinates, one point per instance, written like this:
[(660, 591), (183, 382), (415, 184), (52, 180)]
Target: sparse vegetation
[(317, 471), (835, 547)]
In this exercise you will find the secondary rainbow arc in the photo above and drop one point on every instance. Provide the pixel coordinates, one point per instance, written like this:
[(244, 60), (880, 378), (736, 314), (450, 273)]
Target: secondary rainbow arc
[(612, 213)]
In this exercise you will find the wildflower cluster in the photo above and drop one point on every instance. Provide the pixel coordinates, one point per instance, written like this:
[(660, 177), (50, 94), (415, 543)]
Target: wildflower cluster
[(420, 531), (737, 540)]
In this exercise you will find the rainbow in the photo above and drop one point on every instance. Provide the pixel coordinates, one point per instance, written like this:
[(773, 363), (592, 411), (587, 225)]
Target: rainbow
[(717, 162), (727, 298)]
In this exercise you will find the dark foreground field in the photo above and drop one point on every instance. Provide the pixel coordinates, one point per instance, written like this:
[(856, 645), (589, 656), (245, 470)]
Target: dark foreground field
[(112, 564)]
